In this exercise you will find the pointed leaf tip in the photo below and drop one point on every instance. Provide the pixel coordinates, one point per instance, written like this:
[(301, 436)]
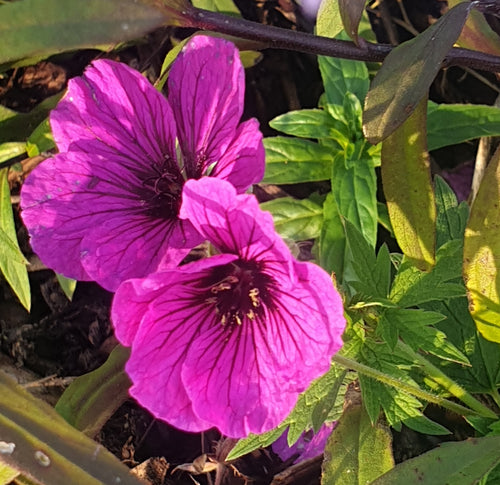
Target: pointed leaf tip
[(411, 67)]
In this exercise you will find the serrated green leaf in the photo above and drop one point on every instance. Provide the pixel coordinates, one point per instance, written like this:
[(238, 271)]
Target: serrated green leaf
[(14, 271), (311, 123), (295, 219), (413, 287), (91, 399), (398, 407), (451, 217), (461, 463), (484, 374), (356, 452), (414, 64), (416, 328), (322, 393), (291, 161), (49, 449), (39, 28), (406, 178), (451, 124), (341, 76), (482, 254)]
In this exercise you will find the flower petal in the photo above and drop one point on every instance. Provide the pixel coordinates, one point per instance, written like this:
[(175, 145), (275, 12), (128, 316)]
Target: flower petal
[(246, 379), (235, 224), (206, 91), (162, 326), (131, 246), (114, 110), (243, 163)]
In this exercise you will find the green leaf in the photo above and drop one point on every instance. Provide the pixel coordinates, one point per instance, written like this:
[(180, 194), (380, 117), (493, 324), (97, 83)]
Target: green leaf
[(356, 452), (19, 126), (329, 22), (47, 448), (11, 150), (414, 64), (68, 285), (295, 219), (341, 76), (416, 328), (354, 185), (413, 287), (223, 6), (332, 240), (461, 463), (7, 474), (291, 161), (451, 217), (40, 28), (373, 273), (310, 123), (41, 140), (451, 124), (313, 406), (91, 399), (482, 254), (351, 12), (406, 178), (12, 262), (483, 376)]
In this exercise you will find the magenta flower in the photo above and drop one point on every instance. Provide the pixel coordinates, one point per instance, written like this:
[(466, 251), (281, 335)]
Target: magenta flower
[(309, 445), (106, 207), (231, 340)]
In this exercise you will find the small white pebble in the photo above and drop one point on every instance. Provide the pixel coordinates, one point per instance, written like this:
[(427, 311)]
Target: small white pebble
[(7, 448)]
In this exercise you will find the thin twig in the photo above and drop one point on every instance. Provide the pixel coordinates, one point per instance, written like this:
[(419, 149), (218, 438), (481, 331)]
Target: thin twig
[(268, 36)]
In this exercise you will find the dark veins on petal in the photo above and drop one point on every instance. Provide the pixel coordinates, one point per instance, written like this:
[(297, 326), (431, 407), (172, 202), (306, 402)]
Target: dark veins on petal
[(162, 189), (239, 291)]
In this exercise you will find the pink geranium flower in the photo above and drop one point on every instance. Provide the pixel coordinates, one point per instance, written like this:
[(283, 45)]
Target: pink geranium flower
[(229, 341), (106, 207)]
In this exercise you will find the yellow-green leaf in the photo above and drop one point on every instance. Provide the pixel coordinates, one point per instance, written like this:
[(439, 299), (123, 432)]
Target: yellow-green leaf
[(482, 254), (12, 262), (357, 452), (406, 178)]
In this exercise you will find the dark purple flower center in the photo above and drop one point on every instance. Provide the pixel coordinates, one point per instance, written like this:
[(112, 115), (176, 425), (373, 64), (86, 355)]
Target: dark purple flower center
[(238, 291), (163, 190)]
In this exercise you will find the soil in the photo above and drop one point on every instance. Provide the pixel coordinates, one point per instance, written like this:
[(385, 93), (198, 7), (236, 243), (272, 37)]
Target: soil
[(62, 339)]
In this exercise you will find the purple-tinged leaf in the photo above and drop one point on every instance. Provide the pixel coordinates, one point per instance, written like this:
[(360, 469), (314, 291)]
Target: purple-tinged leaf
[(477, 33), (406, 178), (351, 12), (407, 73), (482, 254)]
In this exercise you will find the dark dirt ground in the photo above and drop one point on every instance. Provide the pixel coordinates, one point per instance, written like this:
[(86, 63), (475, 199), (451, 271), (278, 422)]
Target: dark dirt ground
[(60, 339)]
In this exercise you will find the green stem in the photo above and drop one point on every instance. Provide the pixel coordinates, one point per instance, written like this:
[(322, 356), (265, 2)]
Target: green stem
[(450, 385), (408, 388)]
